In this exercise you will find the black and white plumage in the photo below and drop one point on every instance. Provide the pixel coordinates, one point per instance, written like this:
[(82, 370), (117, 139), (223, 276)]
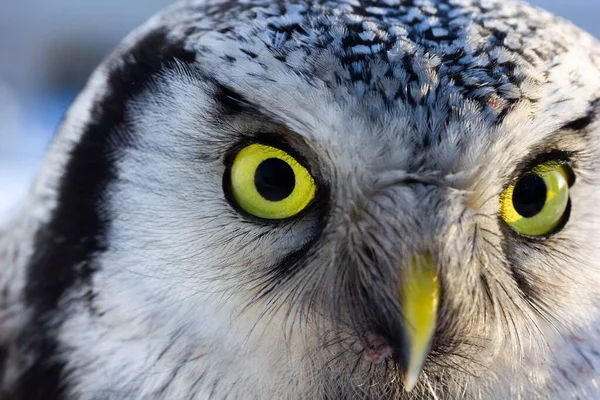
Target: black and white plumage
[(129, 274)]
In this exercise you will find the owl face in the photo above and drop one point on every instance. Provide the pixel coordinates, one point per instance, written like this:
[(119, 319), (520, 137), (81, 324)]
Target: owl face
[(338, 200)]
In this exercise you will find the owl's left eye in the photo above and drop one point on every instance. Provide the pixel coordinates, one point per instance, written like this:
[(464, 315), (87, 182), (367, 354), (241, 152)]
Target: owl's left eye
[(537, 203), (268, 183)]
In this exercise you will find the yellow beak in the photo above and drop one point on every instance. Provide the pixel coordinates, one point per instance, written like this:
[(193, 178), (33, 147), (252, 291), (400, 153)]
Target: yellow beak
[(419, 291)]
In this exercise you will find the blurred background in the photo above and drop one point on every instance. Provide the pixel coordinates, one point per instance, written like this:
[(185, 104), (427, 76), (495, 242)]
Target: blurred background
[(48, 48)]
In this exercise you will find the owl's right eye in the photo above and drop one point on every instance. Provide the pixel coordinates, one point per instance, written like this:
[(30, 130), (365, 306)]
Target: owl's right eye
[(268, 183), (537, 203)]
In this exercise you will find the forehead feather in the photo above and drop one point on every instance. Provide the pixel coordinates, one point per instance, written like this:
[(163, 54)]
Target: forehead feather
[(494, 54)]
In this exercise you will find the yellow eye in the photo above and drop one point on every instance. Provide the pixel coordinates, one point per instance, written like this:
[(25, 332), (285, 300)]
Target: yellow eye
[(269, 183), (536, 204)]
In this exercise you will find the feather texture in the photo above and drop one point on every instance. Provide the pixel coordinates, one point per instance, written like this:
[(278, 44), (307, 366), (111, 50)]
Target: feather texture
[(129, 275)]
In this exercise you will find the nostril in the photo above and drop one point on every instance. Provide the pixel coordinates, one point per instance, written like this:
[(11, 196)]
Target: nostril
[(376, 349)]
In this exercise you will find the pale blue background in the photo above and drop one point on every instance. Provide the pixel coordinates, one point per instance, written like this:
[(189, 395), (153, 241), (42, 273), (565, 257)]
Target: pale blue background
[(48, 48)]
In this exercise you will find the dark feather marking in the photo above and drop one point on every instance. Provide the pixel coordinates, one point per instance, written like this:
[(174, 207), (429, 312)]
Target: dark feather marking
[(76, 231), (3, 360), (525, 287), (172, 341), (213, 390), (194, 387), (162, 391), (231, 101), (582, 123)]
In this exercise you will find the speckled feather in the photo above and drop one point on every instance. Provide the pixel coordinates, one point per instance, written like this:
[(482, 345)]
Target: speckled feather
[(493, 54), (128, 275)]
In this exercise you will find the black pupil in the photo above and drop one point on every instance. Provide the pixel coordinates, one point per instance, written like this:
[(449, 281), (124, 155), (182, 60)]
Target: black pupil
[(529, 195), (274, 179)]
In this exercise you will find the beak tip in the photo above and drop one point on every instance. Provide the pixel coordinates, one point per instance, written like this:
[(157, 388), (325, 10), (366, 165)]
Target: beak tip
[(411, 376), (410, 381)]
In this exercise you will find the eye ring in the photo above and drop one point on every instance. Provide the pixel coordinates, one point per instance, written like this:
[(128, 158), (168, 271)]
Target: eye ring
[(537, 203), (268, 183)]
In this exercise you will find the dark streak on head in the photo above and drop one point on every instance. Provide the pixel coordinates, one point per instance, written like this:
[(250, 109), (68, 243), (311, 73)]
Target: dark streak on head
[(289, 265), (522, 281), (526, 289), (582, 123), (231, 102), (66, 245)]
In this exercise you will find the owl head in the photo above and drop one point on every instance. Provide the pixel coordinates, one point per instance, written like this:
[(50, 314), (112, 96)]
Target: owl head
[(332, 199)]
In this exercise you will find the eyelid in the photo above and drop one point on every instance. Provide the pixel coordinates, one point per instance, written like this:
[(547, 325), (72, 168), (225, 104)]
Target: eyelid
[(561, 157), (273, 138)]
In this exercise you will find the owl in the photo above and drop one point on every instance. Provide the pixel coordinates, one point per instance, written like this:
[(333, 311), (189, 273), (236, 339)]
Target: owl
[(317, 199)]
